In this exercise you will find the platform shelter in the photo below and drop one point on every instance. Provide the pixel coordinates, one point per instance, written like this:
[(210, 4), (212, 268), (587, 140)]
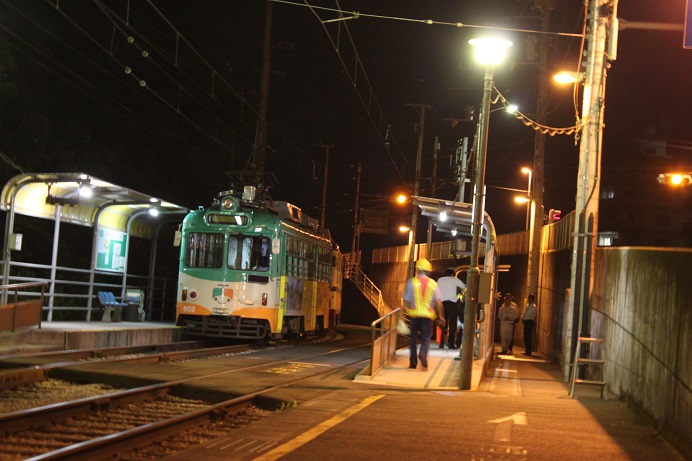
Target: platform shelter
[(115, 213)]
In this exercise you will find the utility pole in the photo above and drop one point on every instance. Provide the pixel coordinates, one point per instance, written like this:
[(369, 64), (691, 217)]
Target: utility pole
[(261, 139), (538, 175), (356, 227), (436, 149), (324, 183), (599, 18), (416, 188)]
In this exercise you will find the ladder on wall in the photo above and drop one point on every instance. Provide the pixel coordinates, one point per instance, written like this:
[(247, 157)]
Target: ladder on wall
[(579, 361)]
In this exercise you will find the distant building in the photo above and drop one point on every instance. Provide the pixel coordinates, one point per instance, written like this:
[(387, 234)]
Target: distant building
[(635, 210)]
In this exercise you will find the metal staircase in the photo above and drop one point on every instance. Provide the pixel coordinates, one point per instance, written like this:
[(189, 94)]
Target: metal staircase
[(354, 273)]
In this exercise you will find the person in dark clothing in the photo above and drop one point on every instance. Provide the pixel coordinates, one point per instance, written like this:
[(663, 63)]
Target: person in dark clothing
[(528, 318), (450, 286)]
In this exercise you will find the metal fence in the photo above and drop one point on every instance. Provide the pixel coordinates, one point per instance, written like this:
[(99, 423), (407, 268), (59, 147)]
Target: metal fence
[(71, 295)]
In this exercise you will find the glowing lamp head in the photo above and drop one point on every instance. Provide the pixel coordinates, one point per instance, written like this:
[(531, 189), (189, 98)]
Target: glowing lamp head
[(490, 50)]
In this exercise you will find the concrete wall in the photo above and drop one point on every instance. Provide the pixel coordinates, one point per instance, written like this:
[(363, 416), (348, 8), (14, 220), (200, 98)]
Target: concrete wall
[(642, 306), (553, 302)]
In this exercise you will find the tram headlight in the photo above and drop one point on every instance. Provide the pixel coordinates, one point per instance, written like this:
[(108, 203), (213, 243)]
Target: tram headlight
[(264, 299)]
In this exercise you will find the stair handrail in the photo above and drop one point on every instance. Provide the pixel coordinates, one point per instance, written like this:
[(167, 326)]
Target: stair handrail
[(367, 287)]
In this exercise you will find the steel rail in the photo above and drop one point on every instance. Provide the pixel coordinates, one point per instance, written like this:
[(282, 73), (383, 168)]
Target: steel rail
[(13, 377), (112, 444)]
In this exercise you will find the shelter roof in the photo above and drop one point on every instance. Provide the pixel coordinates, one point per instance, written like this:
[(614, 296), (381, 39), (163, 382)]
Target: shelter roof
[(459, 217), (82, 198)]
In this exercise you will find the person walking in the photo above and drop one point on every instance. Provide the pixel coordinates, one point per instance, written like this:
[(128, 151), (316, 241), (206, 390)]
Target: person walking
[(528, 318), (508, 315), (450, 286), (422, 302)]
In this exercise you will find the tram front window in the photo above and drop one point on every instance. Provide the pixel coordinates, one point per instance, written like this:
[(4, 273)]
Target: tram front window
[(248, 253)]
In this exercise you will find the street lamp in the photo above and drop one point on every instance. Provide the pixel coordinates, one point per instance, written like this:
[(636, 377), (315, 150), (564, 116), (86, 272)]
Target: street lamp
[(675, 179), (489, 51), (529, 190)]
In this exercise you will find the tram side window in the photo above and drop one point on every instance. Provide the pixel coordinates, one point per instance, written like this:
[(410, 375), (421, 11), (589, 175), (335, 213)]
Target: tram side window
[(248, 252), (324, 268), (300, 258), (204, 250)]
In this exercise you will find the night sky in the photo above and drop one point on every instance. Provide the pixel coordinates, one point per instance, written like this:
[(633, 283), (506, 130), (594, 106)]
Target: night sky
[(171, 109)]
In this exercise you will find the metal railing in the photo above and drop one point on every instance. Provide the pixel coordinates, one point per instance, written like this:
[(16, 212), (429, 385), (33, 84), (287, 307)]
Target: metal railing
[(67, 294), (383, 340), (354, 272)]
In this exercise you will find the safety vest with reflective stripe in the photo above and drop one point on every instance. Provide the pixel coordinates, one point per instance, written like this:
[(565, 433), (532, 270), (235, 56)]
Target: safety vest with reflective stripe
[(423, 301)]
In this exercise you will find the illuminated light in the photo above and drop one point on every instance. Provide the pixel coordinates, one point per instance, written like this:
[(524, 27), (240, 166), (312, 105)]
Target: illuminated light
[(443, 216), (404, 228), (154, 211), (565, 77), (85, 190), (490, 50), (512, 108), (521, 199), (526, 170), (675, 179), (554, 215), (153, 200), (264, 299), (401, 199), (454, 232)]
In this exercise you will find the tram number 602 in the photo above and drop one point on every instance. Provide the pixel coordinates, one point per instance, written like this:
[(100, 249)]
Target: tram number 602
[(188, 308)]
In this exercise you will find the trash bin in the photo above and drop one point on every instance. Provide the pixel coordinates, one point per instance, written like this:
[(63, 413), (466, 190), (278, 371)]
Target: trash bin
[(134, 311)]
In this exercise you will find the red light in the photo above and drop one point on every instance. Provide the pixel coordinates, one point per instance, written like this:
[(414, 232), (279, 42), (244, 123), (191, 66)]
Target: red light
[(183, 294), (264, 299)]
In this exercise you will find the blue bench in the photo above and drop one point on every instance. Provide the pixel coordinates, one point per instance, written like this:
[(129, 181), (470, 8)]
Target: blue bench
[(112, 309)]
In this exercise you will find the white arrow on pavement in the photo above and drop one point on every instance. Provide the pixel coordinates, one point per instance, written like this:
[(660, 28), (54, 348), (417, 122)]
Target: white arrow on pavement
[(516, 418), (503, 430)]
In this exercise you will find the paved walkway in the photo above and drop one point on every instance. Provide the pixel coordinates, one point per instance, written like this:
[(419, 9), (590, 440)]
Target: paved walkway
[(520, 410), (444, 371)]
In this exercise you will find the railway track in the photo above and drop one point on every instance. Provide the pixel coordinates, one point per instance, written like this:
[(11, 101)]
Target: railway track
[(25, 369), (115, 423)]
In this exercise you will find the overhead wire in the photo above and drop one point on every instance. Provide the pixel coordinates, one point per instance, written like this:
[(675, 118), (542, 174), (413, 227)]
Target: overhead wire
[(458, 24), (215, 74), (379, 124), (78, 82), (116, 105), (544, 129)]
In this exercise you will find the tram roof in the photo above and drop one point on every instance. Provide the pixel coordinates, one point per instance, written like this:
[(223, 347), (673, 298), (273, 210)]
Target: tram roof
[(41, 194)]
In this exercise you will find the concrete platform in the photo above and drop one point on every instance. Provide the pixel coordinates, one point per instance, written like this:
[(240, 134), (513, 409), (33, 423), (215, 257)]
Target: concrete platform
[(56, 336), (444, 371)]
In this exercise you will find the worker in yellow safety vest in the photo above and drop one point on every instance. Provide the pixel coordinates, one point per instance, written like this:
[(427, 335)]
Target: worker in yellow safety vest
[(423, 304)]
